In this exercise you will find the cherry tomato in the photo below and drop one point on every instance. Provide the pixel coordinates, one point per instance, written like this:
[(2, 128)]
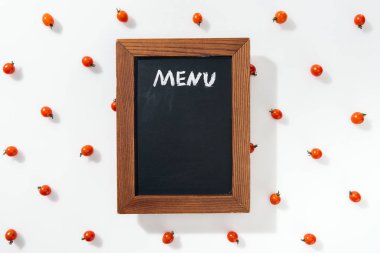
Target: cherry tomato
[(252, 70), (280, 17), (87, 150), (316, 70), (275, 198), (88, 236), (48, 20), (233, 237), (113, 105), (10, 151), (357, 117), (168, 237), (44, 190), (11, 235), (197, 18), (355, 196), (276, 113), (121, 15), (46, 111), (359, 20), (315, 153), (9, 68), (252, 148), (309, 239), (87, 61)]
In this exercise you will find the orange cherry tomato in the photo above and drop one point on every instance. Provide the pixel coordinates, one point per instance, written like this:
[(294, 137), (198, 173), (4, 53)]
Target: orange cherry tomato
[(121, 15), (316, 70), (48, 20), (359, 20), (233, 237), (355, 196), (168, 237), (252, 148), (88, 236), (46, 111), (113, 105), (9, 68), (10, 151), (357, 117), (309, 239), (197, 18), (315, 153), (276, 113), (11, 235), (87, 61), (44, 190), (87, 150), (252, 70), (275, 198), (280, 17)]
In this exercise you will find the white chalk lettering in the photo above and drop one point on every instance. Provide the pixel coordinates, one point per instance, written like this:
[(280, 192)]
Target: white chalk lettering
[(180, 79), (164, 81)]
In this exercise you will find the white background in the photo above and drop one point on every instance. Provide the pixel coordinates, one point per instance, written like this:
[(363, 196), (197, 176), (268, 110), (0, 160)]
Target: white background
[(316, 114)]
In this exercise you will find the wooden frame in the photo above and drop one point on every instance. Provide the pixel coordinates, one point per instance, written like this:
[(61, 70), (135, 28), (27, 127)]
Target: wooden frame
[(126, 51)]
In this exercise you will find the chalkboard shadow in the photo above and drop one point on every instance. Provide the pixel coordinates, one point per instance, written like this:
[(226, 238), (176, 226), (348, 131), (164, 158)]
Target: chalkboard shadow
[(262, 218)]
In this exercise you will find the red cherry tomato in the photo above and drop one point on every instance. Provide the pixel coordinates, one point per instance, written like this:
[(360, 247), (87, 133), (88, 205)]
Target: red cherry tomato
[(197, 18), (168, 237), (359, 20), (309, 239), (315, 153), (9, 68), (275, 198), (252, 70), (87, 61), (87, 150), (88, 236), (11, 235), (48, 20), (357, 117), (10, 151), (46, 111), (121, 15), (355, 196), (252, 148), (276, 113), (316, 70), (280, 17), (113, 105), (233, 237), (44, 190)]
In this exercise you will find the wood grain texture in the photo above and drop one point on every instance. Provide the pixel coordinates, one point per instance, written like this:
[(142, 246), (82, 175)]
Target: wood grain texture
[(126, 51)]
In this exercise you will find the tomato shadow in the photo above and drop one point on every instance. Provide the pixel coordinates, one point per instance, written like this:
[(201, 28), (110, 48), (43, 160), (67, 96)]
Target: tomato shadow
[(20, 157), (262, 217), (289, 25), (53, 197), (366, 125), (324, 160), (97, 69), (367, 27), (205, 25), (18, 74), (95, 157), (20, 241), (325, 78), (131, 23), (177, 243), (97, 242), (317, 246), (57, 28)]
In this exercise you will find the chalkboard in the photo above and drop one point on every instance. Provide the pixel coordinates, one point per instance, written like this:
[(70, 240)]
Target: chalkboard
[(183, 125)]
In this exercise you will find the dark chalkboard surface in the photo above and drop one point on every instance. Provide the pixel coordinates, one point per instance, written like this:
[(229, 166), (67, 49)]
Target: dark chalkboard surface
[(183, 130)]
